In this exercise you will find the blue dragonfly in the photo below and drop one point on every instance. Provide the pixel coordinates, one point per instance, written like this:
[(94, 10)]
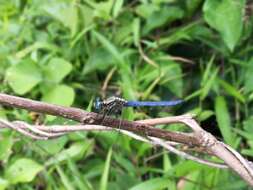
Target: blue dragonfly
[(116, 104)]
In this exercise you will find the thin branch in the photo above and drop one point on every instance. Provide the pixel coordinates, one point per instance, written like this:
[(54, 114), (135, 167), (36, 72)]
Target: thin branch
[(46, 132), (198, 137), (85, 117)]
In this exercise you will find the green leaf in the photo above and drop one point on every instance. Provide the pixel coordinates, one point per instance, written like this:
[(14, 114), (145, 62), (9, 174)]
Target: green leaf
[(105, 176), (56, 70), (226, 17), (64, 178), (22, 170), (75, 151), (205, 115), (34, 47), (109, 47), (102, 9), (3, 184), (223, 119), (136, 31), (117, 7), (147, 9), (232, 90), (161, 17), (66, 13), (23, 76), (152, 184), (61, 95), (208, 85), (100, 60), (79, 179), (53, 146), (6, 143)]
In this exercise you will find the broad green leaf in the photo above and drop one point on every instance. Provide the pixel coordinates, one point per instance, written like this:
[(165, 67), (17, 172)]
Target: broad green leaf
[(66, 13), (145, 10), (23, 76), (53, 146), (3, 184), (6, 143), (161, 17), (61, 95), (232, 90), (100, 60), (105, 175), (102, 9), (226, 17), (56, 70), (223, 119), (22, 170), (75, 151), (152, 184)]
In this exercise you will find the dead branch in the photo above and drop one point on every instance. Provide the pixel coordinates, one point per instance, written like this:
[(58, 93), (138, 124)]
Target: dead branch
[(143, 129)]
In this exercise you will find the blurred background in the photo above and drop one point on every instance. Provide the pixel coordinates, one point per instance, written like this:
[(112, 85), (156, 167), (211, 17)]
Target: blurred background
[(68, 52)]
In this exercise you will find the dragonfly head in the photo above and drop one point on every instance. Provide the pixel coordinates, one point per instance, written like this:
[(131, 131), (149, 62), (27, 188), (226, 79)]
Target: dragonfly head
[(98, 104)]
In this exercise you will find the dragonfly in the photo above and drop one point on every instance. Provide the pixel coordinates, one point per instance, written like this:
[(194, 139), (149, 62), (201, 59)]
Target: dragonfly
[(115, 104)]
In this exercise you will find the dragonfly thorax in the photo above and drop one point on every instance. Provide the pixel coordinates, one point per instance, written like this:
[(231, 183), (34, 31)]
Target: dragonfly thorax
[(110, 105)]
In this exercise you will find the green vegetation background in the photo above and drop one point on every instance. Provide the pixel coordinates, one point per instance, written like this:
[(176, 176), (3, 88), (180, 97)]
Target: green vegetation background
[(65, 51)]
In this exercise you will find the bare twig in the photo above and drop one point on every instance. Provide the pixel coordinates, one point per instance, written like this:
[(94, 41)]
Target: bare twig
[(46, 132), (85, 117), (198, 137)]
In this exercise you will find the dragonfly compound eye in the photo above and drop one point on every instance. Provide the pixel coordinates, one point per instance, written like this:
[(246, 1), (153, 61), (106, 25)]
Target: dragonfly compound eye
[(98, 104)]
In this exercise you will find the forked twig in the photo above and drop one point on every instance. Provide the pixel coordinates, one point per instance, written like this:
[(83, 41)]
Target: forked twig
[(198, 137)]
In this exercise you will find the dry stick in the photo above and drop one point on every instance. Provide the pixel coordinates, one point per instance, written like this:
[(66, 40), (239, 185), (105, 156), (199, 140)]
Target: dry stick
[(85, 117), (232, 158), (53, 132), (199, 137)]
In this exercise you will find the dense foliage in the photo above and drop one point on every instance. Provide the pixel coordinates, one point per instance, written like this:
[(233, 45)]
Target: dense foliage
[(68, 52)]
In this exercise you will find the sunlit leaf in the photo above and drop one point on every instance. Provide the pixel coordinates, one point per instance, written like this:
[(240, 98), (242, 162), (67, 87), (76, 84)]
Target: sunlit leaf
[(52, 146), (152, 184), (223, 119), (226, 17), (163, 16), (75, 151), (117, 7), (61, 95), (105, 175), (66, 13), (23, 76), (3, 184), (232, 90), (22, 170), (56, 70)]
